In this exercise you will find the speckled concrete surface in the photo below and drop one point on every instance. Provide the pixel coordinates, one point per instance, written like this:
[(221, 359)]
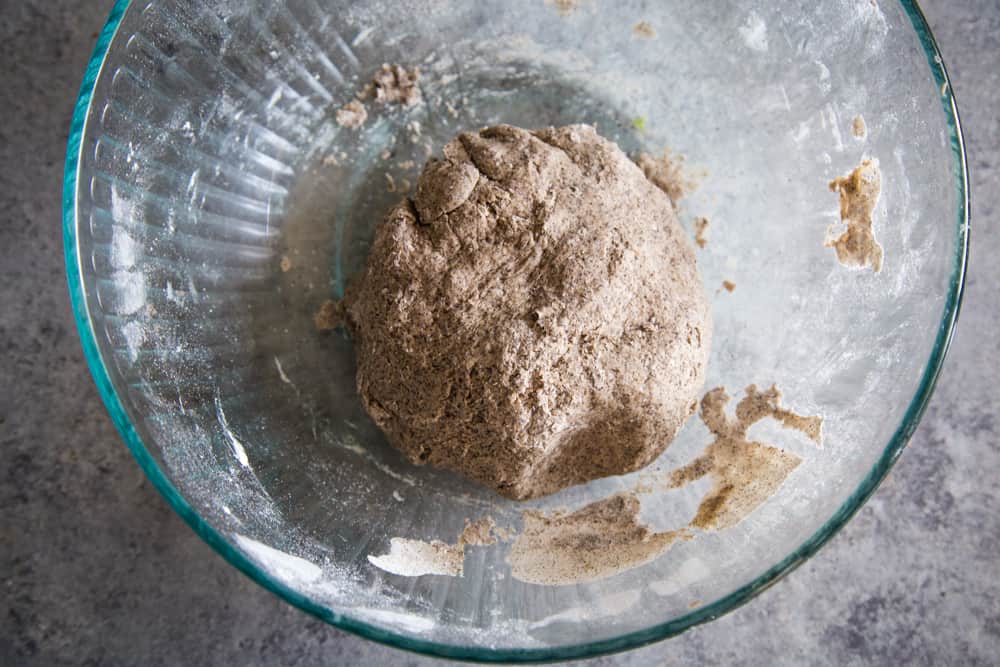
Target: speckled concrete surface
[(96, 569)]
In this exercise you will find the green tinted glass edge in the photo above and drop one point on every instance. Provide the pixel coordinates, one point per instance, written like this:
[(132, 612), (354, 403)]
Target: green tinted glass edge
[(633, 640)]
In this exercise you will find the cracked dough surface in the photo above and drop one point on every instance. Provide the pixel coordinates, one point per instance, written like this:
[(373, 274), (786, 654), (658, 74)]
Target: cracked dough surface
[(533, 317)]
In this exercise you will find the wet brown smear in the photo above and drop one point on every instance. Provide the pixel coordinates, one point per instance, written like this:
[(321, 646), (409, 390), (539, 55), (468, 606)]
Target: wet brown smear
[(595, 542), (564, 7), (859, 192), (644, 29), (667, 173), (329, 316), (745, 473), (700, 225)]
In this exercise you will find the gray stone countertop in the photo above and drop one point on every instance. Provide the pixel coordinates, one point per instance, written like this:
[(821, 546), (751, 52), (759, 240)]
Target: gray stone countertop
[(97, 569)]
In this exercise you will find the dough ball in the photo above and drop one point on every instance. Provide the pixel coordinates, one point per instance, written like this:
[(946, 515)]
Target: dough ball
[(533, 318)]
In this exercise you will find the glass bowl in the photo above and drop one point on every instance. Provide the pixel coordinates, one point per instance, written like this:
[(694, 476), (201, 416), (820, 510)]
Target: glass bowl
[(212, 203)]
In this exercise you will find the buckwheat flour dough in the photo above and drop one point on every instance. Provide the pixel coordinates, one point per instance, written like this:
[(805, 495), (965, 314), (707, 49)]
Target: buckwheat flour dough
[(533, 317)]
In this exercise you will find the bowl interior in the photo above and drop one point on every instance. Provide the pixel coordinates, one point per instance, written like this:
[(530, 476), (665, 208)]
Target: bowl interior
[(215, 203)]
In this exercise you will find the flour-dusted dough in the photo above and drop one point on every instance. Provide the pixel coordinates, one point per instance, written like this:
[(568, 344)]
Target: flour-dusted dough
[(533, 318)]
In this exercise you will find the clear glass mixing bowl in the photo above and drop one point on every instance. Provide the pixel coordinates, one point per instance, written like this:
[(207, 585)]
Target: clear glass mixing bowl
[(212, 203)]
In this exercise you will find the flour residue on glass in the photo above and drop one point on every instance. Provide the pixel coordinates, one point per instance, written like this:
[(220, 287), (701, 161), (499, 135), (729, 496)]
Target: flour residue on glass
[(416, 558), (285, 566), (754, 32)]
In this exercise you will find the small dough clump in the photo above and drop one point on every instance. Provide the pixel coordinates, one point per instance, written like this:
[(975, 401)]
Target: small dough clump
[(395, 84), (533, 317)]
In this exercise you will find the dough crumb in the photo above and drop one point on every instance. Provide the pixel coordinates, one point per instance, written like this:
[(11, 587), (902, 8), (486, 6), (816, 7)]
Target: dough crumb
[(700, 226), (352, 115), (859, 128), (644, 29), (859, 192), (595, 542), (366, 92), (285, 264), (667, 173), (329, 316), (729, 285), (394, 84), (745, 473)]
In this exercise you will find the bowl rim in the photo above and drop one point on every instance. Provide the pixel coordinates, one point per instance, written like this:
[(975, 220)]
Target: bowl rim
[(630, 640)]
